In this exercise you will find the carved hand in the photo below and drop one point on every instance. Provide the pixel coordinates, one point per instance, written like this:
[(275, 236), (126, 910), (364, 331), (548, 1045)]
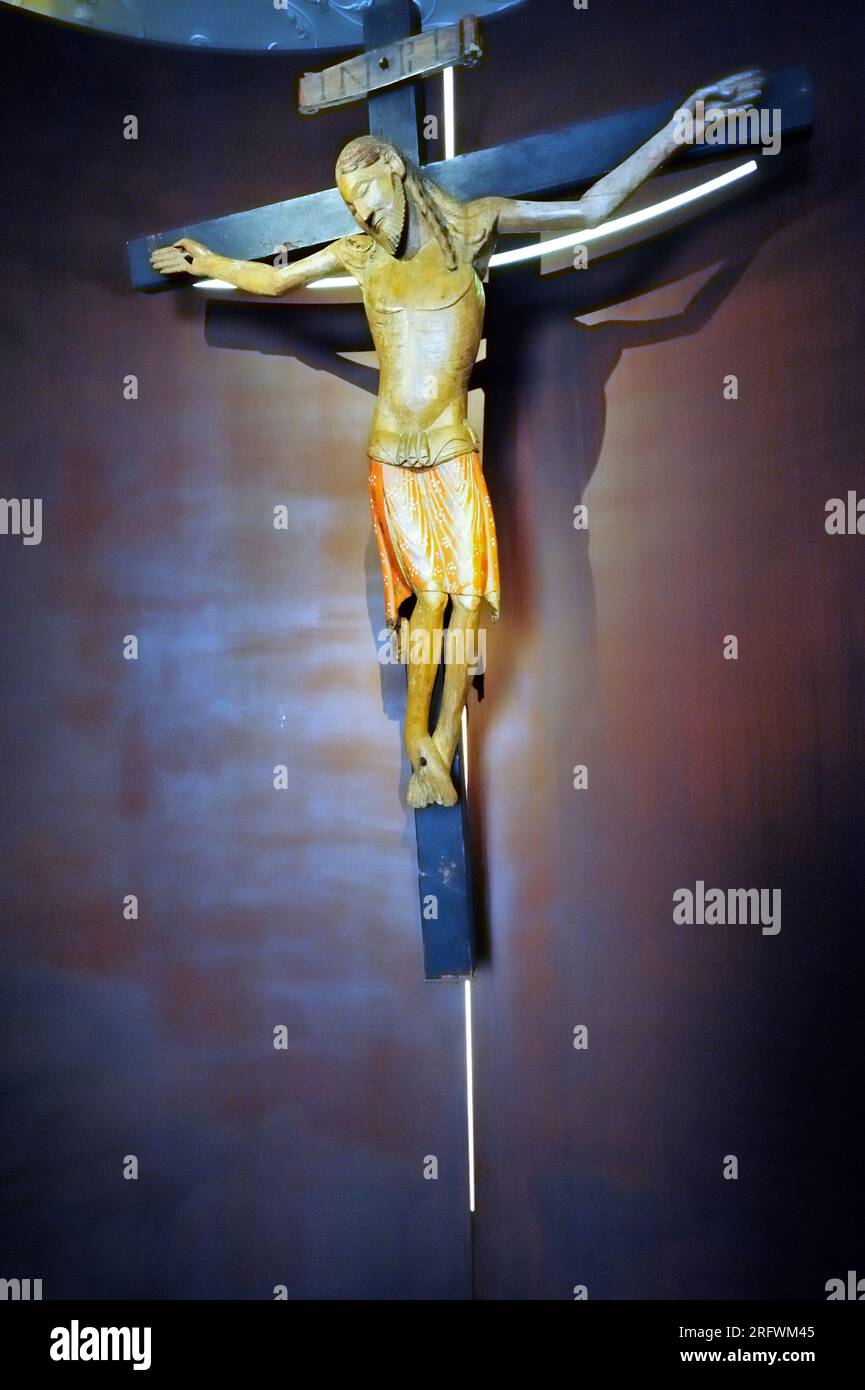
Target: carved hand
[(185, 255), (731, 94)]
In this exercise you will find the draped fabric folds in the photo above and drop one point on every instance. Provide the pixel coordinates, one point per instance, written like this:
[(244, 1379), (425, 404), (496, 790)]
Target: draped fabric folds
[(434, 530)]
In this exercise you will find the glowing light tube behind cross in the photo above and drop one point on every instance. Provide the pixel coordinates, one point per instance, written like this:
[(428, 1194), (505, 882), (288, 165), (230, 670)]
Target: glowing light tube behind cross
[(631, 219), (449, 112), (470, 1094)]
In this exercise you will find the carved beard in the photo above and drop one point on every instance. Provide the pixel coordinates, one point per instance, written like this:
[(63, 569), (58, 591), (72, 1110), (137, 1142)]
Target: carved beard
[(389, 228)]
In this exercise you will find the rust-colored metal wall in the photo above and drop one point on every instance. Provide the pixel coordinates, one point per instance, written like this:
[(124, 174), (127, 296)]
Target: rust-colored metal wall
[(604, 1167)]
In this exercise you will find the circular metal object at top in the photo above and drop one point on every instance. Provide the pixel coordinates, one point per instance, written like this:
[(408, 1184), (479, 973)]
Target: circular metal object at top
[(255, 25)]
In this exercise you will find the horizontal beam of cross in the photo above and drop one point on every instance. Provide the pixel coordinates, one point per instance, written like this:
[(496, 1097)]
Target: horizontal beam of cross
[(537, 164)]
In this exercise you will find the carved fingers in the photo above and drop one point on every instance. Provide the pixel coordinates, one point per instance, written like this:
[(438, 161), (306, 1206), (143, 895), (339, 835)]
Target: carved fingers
[(413, 449), (739, 90), (184, 255)]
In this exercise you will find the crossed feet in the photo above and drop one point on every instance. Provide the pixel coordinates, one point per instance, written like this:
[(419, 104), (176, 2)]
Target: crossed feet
[(431, 783)]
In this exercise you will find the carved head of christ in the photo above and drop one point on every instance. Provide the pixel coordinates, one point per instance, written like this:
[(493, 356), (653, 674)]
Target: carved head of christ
[(370, 175)]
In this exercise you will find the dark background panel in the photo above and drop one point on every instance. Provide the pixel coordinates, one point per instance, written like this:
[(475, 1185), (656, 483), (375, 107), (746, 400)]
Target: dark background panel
[(258, 907)]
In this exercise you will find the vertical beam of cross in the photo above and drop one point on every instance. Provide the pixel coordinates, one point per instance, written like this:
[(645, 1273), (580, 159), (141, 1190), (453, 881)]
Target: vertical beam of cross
[(394, 114)]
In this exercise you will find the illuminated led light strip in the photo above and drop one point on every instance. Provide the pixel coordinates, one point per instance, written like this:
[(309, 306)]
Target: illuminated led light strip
[(470, 1094), (450, 150), (631, 219), (546, 248), (224, 285), (450, 114)]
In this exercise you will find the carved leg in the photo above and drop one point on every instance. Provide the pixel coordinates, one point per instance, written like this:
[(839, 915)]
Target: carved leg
[(431, 781), (460, 648)]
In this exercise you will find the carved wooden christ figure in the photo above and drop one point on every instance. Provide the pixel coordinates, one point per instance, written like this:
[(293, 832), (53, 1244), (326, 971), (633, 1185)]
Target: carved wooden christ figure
[(420, 259)]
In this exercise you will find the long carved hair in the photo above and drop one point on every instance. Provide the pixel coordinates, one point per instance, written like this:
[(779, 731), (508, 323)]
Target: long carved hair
[(446, 216)]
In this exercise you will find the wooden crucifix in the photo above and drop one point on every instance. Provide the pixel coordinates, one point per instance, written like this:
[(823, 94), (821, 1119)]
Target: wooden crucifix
[(421, 245)]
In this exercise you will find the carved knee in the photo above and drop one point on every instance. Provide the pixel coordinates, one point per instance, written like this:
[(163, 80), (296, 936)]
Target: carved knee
[(433, 600), (470, 602)]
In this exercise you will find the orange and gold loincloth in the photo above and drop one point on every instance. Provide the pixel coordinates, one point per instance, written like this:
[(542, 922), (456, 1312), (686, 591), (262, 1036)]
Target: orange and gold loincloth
[(434, 529)]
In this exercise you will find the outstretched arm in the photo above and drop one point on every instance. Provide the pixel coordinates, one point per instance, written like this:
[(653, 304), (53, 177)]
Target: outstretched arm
[(603, 198), (254, 276)]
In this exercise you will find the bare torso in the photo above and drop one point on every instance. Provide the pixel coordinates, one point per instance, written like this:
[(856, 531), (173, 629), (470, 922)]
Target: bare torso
[(426, 322)]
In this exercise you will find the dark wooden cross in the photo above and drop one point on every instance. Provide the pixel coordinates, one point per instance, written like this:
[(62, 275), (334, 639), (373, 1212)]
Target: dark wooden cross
[(563, 159)]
